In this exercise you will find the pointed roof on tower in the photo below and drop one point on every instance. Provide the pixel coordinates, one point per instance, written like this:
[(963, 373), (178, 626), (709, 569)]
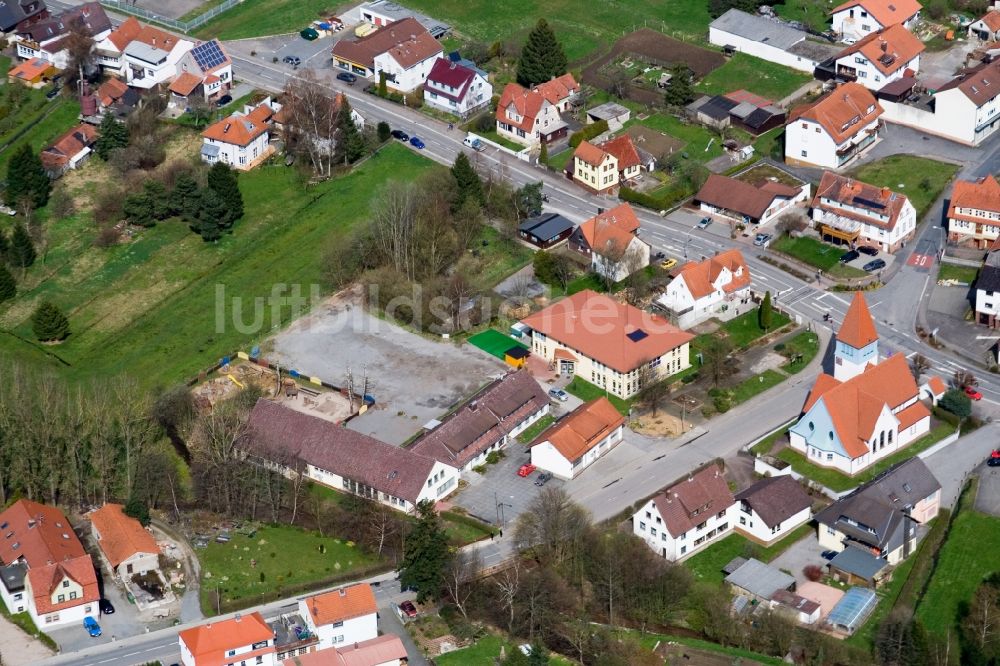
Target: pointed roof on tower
[(858, 329)]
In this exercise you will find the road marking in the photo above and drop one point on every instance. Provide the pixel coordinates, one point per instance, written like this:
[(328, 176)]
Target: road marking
[(918, 260)]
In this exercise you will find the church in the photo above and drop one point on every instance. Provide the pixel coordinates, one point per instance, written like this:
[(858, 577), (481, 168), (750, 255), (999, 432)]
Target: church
[(869, 409)]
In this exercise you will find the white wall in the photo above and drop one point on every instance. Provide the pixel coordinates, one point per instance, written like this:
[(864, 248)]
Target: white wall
[(479, 94), (240, 157), (761, 50), (869, 75), (955, 117), (161, 73), (753, 525), (854, 28), (348, 632), (408, 78), (16, 602), (72, 615), (546, 457), (804, 144), (514, 432), (646, 526), (140, 563)]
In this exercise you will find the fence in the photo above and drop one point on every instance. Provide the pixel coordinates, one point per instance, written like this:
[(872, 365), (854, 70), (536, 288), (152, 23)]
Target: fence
[(128, 7)]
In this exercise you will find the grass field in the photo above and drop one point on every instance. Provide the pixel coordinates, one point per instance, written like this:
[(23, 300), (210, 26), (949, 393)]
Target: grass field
[(761, 77), (805, 343), (738, 655), (585, 391), (745, 329), (254, 18), (493, 136), (702, 144), (486, 652), (919, 178), (536, 429), (494, 343), (707, 565), (277, 557), (966, 274), (755, 385), (64, 114), (821, 255), (160, 307), (811, 12)]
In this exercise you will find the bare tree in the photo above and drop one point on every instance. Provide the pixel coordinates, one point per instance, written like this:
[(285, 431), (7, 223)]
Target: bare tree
[(459, 578), (919, 364), (508, 584), (618, 81), (653, 391), (394, 222), (311, 126), (79, 45), (552, 528), (963, 378)]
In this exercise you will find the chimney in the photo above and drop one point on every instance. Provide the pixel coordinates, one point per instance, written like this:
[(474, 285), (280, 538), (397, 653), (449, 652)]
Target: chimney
[(474, 405), (225, 129), (238, 617), (154, 41), (885, 192), (343, 592), (885, 46)]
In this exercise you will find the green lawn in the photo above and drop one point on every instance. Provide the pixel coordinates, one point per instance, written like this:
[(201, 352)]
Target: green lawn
[(254, 18), (805, 343), (486, 652), (702, 144), (811, 12), (277, 558), (536, 429), (821, 255), (201, 9), (771, 144), (590, 281), (745, 329), (463, 530), (966, 274), (761, 77), (499, 257), (707, 564), (649, 641), (585, 391), (919, 178), (756, 385), (970, 554), (836, 481), (502, 140), (160, 306), (558, 161), (64, 115), (764, 446)]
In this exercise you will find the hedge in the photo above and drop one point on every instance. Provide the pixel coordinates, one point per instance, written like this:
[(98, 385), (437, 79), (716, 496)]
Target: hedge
[(946, 416), (674, 195), (588, 133)]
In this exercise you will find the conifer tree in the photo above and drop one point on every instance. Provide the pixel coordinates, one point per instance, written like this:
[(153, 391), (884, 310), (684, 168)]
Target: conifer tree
[(426, 554), (350, 142), (209, 222), (184, 197), (111, 135), (8, 287), (22, 249), (469, 184), (542, 57), (223, 181), (27, 179), (49, 323)]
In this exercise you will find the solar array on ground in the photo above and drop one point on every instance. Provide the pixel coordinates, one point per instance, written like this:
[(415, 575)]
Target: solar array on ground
[(208, 55), (494, 342)]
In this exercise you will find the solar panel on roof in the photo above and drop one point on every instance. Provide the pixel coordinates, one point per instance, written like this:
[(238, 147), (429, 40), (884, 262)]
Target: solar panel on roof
[(208, 55), (869, 203), (637, 334)]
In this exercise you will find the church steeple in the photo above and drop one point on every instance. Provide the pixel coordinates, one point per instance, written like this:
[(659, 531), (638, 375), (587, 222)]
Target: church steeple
[(857, 341)]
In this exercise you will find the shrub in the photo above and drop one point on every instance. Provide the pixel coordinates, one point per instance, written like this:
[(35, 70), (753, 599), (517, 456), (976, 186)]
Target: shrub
[(588, 132), (812, 572), (493, 457), (956, 402), (687, 379), (721, 404), (479, 469), (49, 323), (946, 416), (780, 347)]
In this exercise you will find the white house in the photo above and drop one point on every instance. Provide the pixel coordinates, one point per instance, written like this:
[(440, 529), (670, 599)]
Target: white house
[(457, 88), (47, 38), (610, 240), (127, 546), (769, 40), (206, 71), (881, 57), (833, 130), (772, 508), (142, 55), (986, 29), (860, 214), (242, 639), (718, 287), (868, 410), (988, 289), (62, 592), (688, 516), (578, 439), (855, 19), (69, 151), (974, 212), (749, 200), (526, 117), (403, 50), (341, 617), (240, 140), (294, 442)]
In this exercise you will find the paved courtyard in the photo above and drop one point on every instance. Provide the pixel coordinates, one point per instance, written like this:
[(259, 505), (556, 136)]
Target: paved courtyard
[(414, 379), (800, 554), (988, 497)]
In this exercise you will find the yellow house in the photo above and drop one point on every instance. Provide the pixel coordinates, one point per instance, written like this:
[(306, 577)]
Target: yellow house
[(34, 73), (593, 168)]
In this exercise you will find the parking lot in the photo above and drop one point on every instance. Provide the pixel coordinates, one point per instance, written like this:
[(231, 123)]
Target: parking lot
[(412, 378)]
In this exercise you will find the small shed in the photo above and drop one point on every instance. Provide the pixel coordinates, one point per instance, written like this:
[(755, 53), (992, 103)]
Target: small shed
[(516, 356), (615, 114), (760, 581), (856, 566), (545, 230)]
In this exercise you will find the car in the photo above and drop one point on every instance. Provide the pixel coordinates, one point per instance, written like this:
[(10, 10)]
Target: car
[(869, 250), (542, 479), (52, 94), (106, 607), (973, 393), (347, 76), (849, 256), (667, 264), (294, 61), (309, 34), (704, 222), (408, 609), (828, 554), (479, 146), (7, 210), (558, 394), (874, 265), (400, 134), (526, 470), (225, 99), (762, 240), (993, 462), (417, 142), (90, 624)]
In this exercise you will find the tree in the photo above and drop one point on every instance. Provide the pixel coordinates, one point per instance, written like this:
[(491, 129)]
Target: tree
[(8, 287), (223, 181), (350, 143), (138, 210), (919, 364), (459, 578), (79, 46), (764, 312), (528, 199), (716, 359), (956, 402), (137, 509), (981, 626), (22, 249), (552, 527), (426, 555), (384, 131), (49, 323), (653, 392), (470, 186), (110, 136), (313, 121), (901, 640), (209, 222), (542, 57), (27, 179), (159, 200), (679, 90), (383, 85), (185, 197), (964, 378)]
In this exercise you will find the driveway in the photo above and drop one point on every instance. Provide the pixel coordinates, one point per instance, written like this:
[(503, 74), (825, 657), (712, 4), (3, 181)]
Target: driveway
[(988, 497), (952, 464), (123, 623), (800, 554), (274, 49)]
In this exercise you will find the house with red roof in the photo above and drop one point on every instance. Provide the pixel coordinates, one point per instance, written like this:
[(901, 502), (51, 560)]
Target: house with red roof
[(986, 29), (687, 516), (245, 639), (607, 343), (48, 38), (386, 650), (341, 617), (577, 440), (751, 199), (606, 166), (835, 129), (974, 212), (847, 210), (855, 19), (716, 287), (141, 55), (610, 240), (457, 88), (881, 57), (404, 50), (241, 140), (868, 410), (205, 72), (45, 571), (69, 150), (128, 547), (527, 117)]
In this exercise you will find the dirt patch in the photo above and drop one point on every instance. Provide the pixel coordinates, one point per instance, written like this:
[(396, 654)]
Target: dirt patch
[(20, 649), (676, 653), (658, 50), (660, 425)]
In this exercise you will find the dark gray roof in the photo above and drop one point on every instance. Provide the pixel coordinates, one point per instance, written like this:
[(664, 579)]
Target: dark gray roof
[(859, 562), (759, 29), (776, 499), (279, 432), (761, 116), (989, 276), (734, 564), (92, 15), (717, 107), (546, 226), (607, 111), (878, 506), (760, 579), (13, 577), (814, 51), (13, 12)]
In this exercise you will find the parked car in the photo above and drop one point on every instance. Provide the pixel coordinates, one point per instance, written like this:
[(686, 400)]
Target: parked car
[(558, 394), (762, 240), (542, 479), (90, 624), (704, 223), (993, 462), (294, 61), (869, 250), (660, 255), (309, 34), (400, 134), (105, 607), (848, 257), (667, 264), (417, 142), (828, 554), (479, 146), (225, 99), (874, 265), (526, 469), (52, 94), (409, 610), (347, 76), (973, 393)]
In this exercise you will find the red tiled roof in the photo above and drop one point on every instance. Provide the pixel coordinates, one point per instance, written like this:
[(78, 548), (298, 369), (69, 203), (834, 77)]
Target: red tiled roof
[(700, 276), (185, 84), (846, 190), (373, 652), (558, 89), (740, 96), (842, 112), (937, 385), (121, 536), (125, 33), (693, 500), (589, 153), (44, 581), (982, 194), (68, 145), (237, 129), (41, 534), (111, 91), (346, 603), (992, 20), (31, 69), (527, 104), (406, 40), (858, 328), (889, 49), (886, 12), (623, 150), (618, 225), (208, 643), (742, 197), (582, 429), (618, 335)]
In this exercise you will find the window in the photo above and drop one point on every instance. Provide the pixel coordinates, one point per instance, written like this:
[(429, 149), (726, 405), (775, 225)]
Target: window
[(65, 583), (804, 153), (683, 549), (663, 536), (231, 653), (652, 531), (829, 456), (62, 598), (642, 526), (72, 595), (721, 514)]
